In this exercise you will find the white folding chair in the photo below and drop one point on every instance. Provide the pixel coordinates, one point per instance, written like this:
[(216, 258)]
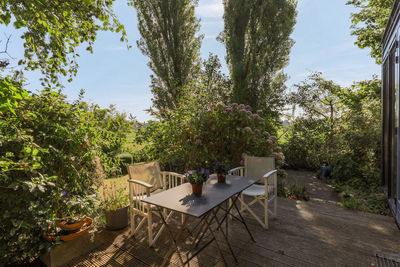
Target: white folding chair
[(264, 193), (146, 179)]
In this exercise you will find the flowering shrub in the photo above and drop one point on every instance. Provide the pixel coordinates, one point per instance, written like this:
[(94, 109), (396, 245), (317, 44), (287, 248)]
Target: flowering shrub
[(192, 138)]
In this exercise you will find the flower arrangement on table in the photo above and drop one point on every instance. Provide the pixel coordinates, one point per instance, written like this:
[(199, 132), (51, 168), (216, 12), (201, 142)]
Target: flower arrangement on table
[(197, 178), (221, 168)]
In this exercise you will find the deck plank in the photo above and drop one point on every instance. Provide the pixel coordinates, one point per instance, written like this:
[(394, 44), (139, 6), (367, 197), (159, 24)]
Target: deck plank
[(304, 234)]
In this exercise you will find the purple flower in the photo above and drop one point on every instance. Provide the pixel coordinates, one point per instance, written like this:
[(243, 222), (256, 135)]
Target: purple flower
[(228, 110), (191, 171), (257, 131), (209, 111), (198, 141), (234, 105), (247, 129), (247, 107), (206, 172)]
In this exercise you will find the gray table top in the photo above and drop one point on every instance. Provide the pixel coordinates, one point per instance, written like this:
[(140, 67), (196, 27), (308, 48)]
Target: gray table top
[(182, 200)]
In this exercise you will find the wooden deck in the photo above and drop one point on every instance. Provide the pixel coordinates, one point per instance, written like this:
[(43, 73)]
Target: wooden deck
[(304, 234)]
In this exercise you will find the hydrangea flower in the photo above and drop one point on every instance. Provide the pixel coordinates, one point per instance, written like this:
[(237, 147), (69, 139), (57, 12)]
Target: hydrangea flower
[(247, 129), (259, 112), (228, 110), (198, 141), (234, 105), (257, 131), (247, 107)]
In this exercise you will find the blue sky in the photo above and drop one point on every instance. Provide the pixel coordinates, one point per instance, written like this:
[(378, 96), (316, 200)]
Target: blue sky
[(115, 75)]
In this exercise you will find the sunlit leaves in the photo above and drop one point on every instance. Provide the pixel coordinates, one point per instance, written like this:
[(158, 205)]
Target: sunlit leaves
[(369, 24), (52, 31)]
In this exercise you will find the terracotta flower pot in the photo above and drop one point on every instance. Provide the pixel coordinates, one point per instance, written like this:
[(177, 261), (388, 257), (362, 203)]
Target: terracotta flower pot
[(197, 189), (221, 178), (87, 225), (70, 227)]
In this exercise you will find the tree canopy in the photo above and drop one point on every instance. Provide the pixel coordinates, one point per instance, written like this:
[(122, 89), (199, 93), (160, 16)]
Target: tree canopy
[(168, 30), (369, 24), (52, 30), (256, 35)]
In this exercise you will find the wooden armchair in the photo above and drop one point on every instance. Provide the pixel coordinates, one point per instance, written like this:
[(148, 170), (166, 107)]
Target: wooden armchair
[(146, 179), (264, 193)]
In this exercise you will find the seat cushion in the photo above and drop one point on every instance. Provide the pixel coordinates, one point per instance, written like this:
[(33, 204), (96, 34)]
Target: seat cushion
[(257, 190)]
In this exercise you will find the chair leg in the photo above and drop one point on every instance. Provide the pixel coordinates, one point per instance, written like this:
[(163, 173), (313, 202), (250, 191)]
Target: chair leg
[(133, 224), (266, 207), (275, 193), (150, 228)]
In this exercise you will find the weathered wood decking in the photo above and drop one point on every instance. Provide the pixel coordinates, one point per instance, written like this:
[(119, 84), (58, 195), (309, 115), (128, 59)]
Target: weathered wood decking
[(304, 234)]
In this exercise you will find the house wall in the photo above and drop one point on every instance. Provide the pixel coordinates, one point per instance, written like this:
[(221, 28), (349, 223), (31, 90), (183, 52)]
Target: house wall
[(390, 112)]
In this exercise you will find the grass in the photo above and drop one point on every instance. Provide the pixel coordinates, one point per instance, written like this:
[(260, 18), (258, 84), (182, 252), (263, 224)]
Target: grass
[(121, 182)]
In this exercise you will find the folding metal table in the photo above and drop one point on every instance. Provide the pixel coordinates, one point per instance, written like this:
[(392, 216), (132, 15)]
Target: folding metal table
[(205, 208)]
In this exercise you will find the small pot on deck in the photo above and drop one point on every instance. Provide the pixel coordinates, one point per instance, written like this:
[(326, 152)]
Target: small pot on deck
[(221, 178), (197, 189), (117, 219)]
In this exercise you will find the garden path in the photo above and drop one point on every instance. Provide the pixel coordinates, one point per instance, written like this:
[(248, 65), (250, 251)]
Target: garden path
[(319, 190)]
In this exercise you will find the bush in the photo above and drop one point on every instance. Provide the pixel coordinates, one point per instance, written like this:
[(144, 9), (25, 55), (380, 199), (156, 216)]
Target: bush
[(349, 140), (195, 137), (49, 167)]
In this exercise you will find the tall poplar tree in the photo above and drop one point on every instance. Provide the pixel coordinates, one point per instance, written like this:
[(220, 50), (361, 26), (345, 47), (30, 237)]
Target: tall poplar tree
[(168, 30), (256, 36)]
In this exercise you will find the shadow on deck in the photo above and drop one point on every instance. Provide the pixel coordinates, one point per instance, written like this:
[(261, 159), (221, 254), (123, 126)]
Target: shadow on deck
[(304, 234)]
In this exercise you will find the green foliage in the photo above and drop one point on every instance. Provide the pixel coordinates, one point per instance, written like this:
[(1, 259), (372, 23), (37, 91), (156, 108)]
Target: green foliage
[(369, 24), (196, 137), (355, 196), (50, 153), (52, 30), (168, 30), (197, 176), (292, 191), (306, 143), (112, 128), (114, 198), (256, 36), (349, 138), (214, 85)]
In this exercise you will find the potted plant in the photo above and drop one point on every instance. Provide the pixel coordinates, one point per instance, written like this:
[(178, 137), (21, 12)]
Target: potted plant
[(221, 168), (197, 178), (116, 205), (71, 211)]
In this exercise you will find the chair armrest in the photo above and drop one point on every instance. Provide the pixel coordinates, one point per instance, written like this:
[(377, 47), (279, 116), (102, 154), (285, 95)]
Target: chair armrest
[(140, 183), (236, 169), (268, 174)]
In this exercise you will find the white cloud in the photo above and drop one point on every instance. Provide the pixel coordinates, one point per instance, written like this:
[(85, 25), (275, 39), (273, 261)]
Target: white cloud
[(210, 9)]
